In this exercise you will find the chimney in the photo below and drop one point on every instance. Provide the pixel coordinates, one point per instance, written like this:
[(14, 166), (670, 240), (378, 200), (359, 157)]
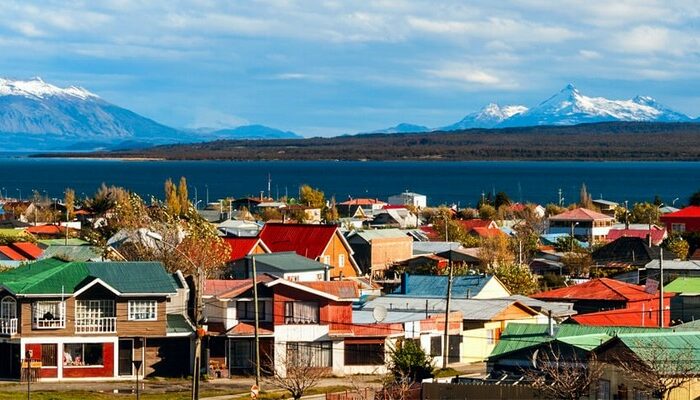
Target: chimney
[(327, 273), (551, 324)]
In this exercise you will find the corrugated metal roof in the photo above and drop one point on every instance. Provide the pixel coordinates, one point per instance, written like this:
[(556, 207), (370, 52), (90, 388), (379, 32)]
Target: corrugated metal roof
[(521, 336), (621, 317), (471, 309), (340, 289), (178, 324), (288, 262), (240, 246), (31, 250), (687, 212), (368, 235), (684, 285), (307, 240), (598, 289), (73, 253), (12, 254), (668, 352), (465, 286), (580, 214)]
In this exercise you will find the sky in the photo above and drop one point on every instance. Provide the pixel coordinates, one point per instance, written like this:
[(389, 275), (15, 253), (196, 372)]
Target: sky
[(323, 68)]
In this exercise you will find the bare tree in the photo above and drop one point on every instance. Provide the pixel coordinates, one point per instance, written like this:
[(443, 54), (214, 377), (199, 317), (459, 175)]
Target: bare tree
[(657, 368), (563, 376), (296, 371)]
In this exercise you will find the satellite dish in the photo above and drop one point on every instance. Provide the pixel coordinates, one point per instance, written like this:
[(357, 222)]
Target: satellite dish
[(379, 313)]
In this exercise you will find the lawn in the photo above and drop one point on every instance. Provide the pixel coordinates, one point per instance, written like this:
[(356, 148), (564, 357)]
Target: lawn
[(83, 395)]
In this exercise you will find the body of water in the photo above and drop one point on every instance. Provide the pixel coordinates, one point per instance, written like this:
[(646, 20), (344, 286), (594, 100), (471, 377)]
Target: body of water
[(442, 182)]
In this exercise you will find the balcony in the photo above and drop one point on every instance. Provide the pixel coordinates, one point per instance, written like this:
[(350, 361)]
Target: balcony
[(8, 326), (49, 315), (96, 325)]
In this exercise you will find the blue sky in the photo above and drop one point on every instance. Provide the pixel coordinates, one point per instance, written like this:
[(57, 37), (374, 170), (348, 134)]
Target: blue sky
[(324, 68)]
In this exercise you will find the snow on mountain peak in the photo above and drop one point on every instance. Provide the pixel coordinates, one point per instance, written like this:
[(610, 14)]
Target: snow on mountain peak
[(37, 88)]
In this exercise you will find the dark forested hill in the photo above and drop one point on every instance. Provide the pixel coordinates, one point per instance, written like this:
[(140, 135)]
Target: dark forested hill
[(603, 141)]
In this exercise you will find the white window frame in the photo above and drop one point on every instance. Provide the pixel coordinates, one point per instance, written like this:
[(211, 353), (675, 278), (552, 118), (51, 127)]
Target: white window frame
[(56, 307), (143, 307), (341, 260), (95, 316), (8, 308)]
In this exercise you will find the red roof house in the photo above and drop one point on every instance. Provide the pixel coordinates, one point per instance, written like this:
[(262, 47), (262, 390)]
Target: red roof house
[(46, 230), (245, 246), (604, 294), (684, 220), (469, 224), (657, 235), (623, 317), (323, 243), (8, 253), (485, 233), (28, 249)]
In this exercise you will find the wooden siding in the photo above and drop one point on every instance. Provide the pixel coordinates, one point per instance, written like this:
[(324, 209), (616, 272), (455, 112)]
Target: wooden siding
[(333, 250)]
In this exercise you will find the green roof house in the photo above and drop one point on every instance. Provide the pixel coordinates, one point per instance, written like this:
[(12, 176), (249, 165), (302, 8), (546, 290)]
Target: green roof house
[(90, 320)]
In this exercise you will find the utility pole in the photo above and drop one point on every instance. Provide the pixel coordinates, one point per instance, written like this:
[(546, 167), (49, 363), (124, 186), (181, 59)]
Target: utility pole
[(207, 189), (560, 199), (257, 319), (661, 287), (199, 286), (67, 220), (195, 198), (446, 337)]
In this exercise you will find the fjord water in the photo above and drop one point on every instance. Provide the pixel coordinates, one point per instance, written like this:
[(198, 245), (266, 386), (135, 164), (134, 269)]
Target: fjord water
[(442, 182)]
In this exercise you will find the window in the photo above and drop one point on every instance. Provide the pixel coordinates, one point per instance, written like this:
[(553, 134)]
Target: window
[(142, 310), (364, 353), (301, 312), (341, 260), (242, 354), (436, 346), (678, 227), (48, 355), (82, 354), (245, 310), (8, 308), (315, 354), (493, 335), (603, 392), (326, 259), (95, 316), (49, 314)]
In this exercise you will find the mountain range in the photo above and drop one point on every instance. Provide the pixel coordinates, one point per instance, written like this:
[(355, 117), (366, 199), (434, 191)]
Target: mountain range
[(36, 115), (567, 107)]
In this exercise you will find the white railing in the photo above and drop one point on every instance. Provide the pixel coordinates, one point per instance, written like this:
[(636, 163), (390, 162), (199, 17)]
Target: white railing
[(58, 323), (96, 325), (8, 326)]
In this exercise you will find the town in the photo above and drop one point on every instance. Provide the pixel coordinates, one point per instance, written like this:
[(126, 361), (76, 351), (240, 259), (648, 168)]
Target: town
[(593, 299)]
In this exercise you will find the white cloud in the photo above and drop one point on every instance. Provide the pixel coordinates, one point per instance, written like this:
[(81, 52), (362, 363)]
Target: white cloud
[(645, 39), (216, 119), (470, 75), (589, 54)]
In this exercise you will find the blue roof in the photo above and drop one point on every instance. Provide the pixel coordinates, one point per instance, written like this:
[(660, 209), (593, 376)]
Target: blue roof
[(436, 285), (551, 239)]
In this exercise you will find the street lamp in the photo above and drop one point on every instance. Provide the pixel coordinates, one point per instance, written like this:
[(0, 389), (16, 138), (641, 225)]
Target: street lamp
[(673, 203), (20, 194), (198, 312), (571, 247)]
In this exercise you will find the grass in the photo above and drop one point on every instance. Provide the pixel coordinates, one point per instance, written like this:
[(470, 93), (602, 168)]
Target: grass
[(446, 372), (278, 395), (80, 395)]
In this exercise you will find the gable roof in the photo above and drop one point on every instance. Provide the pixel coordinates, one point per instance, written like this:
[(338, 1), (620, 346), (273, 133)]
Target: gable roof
[(307, 240), (621, 317), (46, 230), (684, 285), (28, 249), (371, 234), (287, 261), (485, 232), (12, 254), (55, 277), (362, 202), (687, 212), (469, 224), (630, 249), (242, 246), (519, 336), (335, 294), (598, 289), (340, 289), (580, 214), (657, 235), (464, 286), (678, 350)]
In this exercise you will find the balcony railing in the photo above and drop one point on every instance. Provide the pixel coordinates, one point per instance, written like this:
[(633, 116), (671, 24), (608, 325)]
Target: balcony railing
[(96, 325), (52, 323), (8, 326)]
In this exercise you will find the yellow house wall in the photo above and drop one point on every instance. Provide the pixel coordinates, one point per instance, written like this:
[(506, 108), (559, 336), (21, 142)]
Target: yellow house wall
[(690, 390), (475, 346), (492, 290), (334, 249)]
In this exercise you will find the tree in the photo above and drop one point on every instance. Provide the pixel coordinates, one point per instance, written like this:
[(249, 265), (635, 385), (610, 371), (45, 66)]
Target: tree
[(311, 197), (578, 263), (678, 246), (487, 212), (518, 279), (495, 251), (183, 196), (644, 213), (585, 199), (560, 376), (271, 213), (501, 199), (296, 371), (69, 202), (172, 201), (330, 214), (408, 361), (552, 209), (694, 199)]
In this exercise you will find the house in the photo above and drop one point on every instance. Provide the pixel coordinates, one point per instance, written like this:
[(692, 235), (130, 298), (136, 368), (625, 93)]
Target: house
[(482, 321), (685, 306), (395, 217), (673, 269), (628, 252), (20, 251), (486, 233), (409, 199), (606, 207), (310, 215), (684, 220), (89, 321), (469, 224), (323, 243), (245, 246), (424, 264), (238, 228), (47, 231), (376, 250), (359, 207), (603, 294), (288, 265), (463, 287), (582, 223), (295, 318)]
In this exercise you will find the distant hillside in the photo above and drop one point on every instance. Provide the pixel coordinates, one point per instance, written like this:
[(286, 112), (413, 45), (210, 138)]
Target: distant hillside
[(253, 132), (600, 141)]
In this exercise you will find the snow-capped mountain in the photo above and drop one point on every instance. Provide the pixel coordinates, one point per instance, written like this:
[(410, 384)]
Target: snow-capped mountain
[(570, 107), (37, 115), (488, 117), (403, 128)]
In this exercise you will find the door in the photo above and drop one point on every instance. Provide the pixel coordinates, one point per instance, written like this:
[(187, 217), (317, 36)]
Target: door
[(126, 356), (9, 360)]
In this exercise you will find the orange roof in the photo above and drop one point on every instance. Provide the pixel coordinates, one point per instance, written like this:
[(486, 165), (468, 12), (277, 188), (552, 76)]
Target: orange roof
[(469, 224), (361, 202), (46, 230), (622, 317), (245, 328), (30, 250), (488, 232), (598, 289), (228, 288), (580, 214), (340, 289), (10, 253)]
